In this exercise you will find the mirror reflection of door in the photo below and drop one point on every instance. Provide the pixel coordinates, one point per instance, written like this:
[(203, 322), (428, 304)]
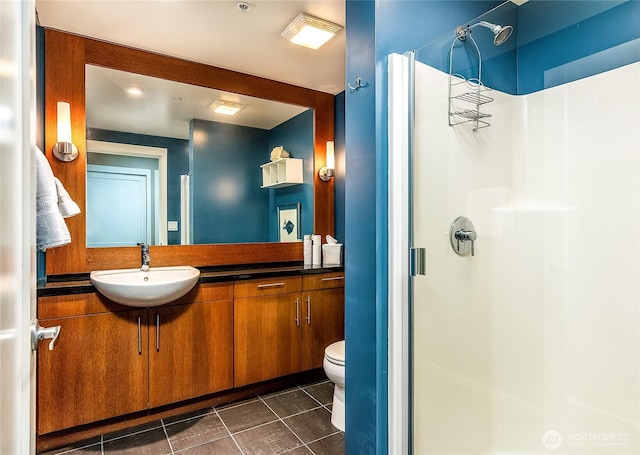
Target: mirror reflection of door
[(126, 195), (128, 191)]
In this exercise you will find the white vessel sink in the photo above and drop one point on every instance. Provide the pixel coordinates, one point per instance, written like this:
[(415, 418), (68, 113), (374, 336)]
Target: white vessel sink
[(156, 286)]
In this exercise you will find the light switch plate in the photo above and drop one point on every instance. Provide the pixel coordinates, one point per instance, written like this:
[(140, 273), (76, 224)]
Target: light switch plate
[(172, 225)]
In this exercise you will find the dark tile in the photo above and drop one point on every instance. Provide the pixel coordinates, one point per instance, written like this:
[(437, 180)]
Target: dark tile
[(188, 415), (77, 449), (194, 432), (333, 445), (291, 403), (311, 425), (247, 415), (235, 403), (273, 438), (85, 446), (224, 446), (302, 450), (151, 442), (136, 429), (323, 392)]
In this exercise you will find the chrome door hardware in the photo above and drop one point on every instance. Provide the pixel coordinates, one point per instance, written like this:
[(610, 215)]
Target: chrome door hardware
[(418, 258), (462, 236), (39, 333)]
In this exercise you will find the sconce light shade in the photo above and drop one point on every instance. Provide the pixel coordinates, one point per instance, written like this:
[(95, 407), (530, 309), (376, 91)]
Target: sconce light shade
[(64, 149), (310, 31), (327, 172)]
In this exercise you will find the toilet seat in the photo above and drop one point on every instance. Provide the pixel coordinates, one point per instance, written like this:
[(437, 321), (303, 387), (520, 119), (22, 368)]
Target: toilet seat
[(334, 353)]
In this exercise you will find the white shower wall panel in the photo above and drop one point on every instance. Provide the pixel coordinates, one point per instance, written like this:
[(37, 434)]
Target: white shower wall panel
[(540, 330)]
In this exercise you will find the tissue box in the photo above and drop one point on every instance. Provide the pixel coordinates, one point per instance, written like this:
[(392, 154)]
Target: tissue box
[(332, 254)]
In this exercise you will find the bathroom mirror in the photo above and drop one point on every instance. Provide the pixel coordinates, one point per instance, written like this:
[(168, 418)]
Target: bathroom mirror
[(162, 144), (65, 58)]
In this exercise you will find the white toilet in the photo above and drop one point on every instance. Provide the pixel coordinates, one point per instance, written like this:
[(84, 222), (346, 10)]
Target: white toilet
[(334, 368)]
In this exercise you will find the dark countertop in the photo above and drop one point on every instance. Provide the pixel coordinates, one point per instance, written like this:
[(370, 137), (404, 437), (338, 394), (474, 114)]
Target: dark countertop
[(80, 284)]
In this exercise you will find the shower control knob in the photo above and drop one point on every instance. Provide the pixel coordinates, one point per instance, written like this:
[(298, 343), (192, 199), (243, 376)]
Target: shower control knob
[(462, 236), (466, 236)]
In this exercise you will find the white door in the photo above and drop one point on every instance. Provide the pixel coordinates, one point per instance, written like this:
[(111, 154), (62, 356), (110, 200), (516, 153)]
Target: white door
[(17, 229), (118, 206)]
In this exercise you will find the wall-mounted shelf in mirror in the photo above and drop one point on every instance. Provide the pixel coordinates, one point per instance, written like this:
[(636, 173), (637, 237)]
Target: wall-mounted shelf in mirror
[(282, 173), (66, 60)]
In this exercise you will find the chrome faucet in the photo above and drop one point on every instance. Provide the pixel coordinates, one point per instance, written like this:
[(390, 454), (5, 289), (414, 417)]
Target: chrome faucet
[(145, 258)]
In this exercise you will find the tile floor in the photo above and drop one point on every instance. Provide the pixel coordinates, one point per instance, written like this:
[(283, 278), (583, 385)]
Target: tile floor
[(295, 421)]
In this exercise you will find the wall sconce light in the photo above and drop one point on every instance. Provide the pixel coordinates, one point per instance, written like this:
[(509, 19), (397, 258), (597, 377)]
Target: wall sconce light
[(327, 172), (64, 149), (309, 31)]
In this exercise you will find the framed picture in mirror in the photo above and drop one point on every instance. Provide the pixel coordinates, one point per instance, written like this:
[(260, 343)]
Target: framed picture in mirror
[(289, 223)]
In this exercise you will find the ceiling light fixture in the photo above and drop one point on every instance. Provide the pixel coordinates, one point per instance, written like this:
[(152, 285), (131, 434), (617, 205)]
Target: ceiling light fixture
[(310, 31), (132, 90), (225, 107)]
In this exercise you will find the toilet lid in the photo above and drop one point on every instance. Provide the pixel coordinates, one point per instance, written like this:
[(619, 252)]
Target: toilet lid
[(335, 352)]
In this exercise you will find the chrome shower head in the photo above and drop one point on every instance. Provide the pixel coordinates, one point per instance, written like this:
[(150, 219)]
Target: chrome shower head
[(501, 34)]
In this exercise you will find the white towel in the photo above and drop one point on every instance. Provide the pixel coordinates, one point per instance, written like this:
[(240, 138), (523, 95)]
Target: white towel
[(51, 230), (66, 205)]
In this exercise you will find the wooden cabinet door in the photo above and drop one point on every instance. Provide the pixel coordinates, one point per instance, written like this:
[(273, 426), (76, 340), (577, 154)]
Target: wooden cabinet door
[(98, 369), (322, 324), (266, 337), (190, 351)]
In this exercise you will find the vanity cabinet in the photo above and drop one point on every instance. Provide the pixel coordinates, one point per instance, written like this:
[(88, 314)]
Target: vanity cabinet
[(97, 368), (323, 322), (191, 345), (282, 325), (110, 360), (266, 329)]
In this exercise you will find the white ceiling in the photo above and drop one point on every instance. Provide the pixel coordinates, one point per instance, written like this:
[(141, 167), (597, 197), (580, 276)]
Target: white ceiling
[(213, 32), (166, 107)]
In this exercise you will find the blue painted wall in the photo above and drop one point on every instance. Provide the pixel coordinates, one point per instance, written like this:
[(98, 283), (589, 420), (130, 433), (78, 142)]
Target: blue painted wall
[(574, 30), (41, 258), (177, 164), (226, 179), (228, 204), (363, 405), (586, 37), (296, 136)]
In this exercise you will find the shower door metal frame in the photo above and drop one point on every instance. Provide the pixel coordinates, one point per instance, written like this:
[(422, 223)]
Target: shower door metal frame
[(400, 244)]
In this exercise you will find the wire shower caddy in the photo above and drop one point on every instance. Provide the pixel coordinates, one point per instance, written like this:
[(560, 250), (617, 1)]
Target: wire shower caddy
[(467, 95)]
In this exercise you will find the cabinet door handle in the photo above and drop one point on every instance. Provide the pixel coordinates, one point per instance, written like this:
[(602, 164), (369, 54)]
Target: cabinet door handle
[(139, 335), (270, 285), (297, 313), (335, 278), (157, 332), (308, 310)]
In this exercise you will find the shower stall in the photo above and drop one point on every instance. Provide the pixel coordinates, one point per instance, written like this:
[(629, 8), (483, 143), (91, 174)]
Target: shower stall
[(514, 254)]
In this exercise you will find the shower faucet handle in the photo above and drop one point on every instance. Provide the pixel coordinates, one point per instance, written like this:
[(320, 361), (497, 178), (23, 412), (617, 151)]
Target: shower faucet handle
[(466, 236), (462, 236)]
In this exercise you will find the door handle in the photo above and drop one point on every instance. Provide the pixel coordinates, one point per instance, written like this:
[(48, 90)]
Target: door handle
[(39, 333)]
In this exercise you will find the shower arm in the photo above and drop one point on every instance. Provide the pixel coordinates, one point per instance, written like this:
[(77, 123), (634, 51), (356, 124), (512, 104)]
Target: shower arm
[(463, 31)]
